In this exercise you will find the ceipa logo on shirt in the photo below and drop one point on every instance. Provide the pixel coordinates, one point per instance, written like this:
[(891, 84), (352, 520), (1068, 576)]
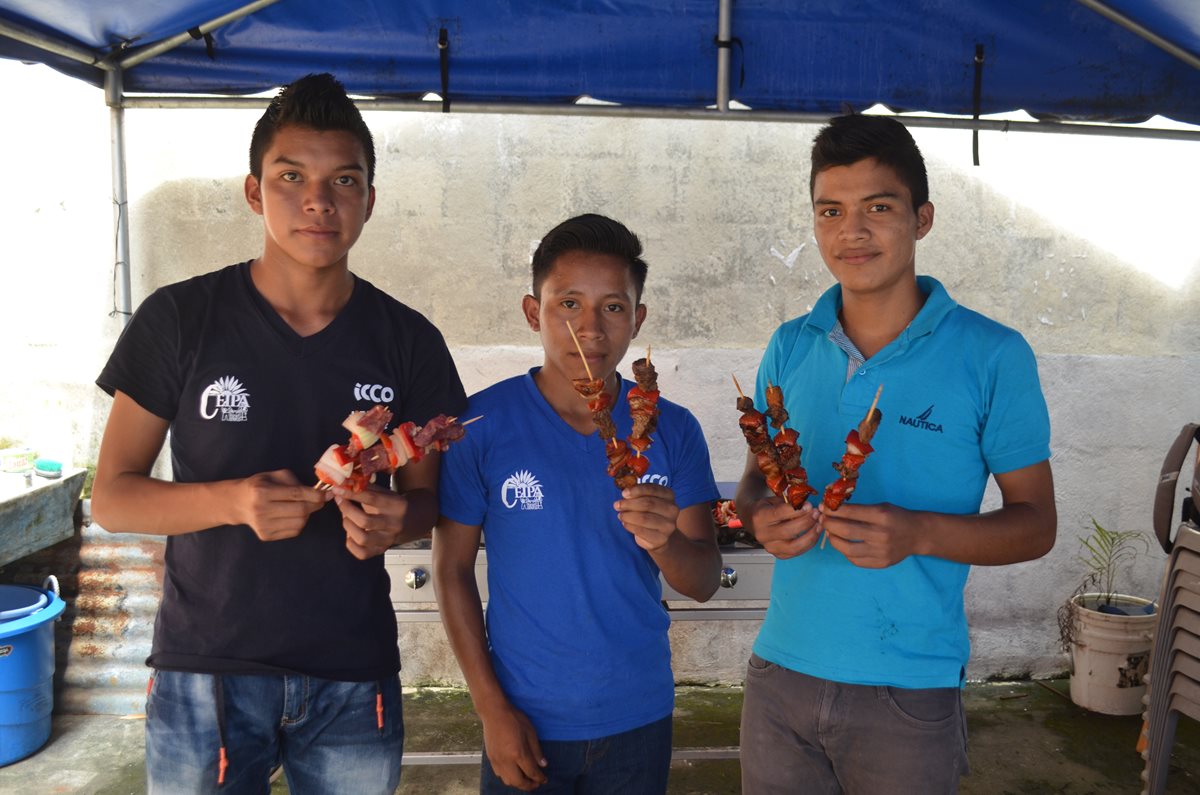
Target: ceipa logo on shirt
[(522, 488), (661, 480), (225, 397)]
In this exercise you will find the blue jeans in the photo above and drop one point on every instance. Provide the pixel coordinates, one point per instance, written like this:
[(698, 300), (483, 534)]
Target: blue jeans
[(803, 734), (326, 734), (635, 762)]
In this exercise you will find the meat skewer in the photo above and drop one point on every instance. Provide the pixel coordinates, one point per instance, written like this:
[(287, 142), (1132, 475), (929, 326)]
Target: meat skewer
[(626, 464), (371, 450), (858, 447), (779, 458)]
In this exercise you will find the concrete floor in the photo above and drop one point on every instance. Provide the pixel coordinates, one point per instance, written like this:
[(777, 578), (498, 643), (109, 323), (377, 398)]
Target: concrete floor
[(1026, 737)]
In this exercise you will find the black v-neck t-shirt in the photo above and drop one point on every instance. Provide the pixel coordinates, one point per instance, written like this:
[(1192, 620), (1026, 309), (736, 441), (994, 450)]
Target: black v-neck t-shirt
[(244, 393)]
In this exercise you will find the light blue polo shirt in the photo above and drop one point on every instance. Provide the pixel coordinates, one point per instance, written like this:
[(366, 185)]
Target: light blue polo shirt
[(575, 620), (961, 400)]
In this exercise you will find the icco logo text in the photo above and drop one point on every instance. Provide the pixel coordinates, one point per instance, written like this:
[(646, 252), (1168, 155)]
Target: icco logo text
[(376, 393)]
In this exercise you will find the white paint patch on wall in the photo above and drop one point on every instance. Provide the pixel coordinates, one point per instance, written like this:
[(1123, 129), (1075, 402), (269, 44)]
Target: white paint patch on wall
[(1083, 185)]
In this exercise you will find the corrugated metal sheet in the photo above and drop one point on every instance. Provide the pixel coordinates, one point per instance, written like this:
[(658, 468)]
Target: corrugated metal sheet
[(111, 584)]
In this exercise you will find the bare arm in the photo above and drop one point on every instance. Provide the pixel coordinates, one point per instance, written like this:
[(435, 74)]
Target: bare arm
[(1024, 528), (782, 530), (125, 499), (509, 738), (682, 542), (377, 519)]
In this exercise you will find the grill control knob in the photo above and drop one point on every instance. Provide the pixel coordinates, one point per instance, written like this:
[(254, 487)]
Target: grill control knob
[(415, 578), (728, 577)]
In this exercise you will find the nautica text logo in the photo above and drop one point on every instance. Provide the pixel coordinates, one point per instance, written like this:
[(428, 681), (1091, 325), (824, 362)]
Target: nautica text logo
[(922, 421), (225, 396), (522, 488), (376, 393)]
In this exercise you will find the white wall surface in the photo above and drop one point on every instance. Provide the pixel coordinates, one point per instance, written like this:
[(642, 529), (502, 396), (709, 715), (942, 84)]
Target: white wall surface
[(1084, 244)]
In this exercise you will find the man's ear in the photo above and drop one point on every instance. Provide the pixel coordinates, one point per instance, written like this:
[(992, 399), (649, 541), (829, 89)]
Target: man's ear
[(530, 307), (370, 203), (253, 193), (639, 316), (924, 219)]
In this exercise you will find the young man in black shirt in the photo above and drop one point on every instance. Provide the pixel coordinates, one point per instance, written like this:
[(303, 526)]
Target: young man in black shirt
[(275, 642)]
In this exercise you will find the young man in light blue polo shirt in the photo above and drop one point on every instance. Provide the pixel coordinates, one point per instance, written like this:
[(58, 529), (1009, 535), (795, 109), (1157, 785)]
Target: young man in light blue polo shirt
[(855, 682)]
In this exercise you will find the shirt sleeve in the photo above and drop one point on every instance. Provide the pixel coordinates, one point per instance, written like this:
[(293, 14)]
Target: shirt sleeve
[(1016, 428), (692, 477), (769, 366), (146, 361), (433, 386), (462, 492)]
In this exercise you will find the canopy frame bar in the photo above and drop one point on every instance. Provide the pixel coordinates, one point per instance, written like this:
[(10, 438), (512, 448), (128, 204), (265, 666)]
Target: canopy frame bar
[(724, 43), (131, 58), (146, 101), (1103, 9), (53, 44)]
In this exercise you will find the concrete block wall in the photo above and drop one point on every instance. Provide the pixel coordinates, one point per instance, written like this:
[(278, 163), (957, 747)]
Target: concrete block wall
[(1053, 235)]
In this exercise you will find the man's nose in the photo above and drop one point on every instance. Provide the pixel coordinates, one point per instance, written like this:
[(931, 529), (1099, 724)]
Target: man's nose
[(853, 226), (318, 197), (589, 323)]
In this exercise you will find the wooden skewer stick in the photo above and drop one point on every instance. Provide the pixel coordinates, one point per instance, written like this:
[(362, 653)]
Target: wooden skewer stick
[(870, 411), (875, 402), (739, 386), (647, 354), (468, 422), (579, 348)]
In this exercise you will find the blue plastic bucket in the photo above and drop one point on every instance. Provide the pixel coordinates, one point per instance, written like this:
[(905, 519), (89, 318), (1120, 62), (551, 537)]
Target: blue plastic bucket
[(27, 616)]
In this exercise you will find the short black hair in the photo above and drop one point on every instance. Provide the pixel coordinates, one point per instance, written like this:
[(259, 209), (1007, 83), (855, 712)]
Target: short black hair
[(315, 101), (854, 137), (589, 232)]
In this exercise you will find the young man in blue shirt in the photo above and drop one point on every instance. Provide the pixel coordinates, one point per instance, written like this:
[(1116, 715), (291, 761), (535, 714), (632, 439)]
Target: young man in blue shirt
[(571, 674), (855, 681)]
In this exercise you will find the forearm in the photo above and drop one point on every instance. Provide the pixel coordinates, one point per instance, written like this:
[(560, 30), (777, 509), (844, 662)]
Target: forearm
[(462, 617), (691, 567), (1012, 534), (751, 488), (420, 515), (135, 503)]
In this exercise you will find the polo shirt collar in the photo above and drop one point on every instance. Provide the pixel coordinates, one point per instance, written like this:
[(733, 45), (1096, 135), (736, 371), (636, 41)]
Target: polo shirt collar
[(938, 303)]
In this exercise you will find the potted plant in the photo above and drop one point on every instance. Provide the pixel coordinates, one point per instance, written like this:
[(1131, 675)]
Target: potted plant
[(1107, 633)]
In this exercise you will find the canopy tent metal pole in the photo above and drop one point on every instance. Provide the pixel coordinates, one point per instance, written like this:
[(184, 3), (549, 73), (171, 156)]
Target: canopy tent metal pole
[(724, 30), (123, 295), (1102, 8), (696, 114), (51, 44), (134, 57)]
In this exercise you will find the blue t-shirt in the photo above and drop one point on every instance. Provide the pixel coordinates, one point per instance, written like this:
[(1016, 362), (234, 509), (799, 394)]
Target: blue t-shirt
[(575, 621), (961, 399)]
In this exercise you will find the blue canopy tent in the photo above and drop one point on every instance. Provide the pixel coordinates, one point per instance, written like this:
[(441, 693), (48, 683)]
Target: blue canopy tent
[(1065, 62), (1095, 60)]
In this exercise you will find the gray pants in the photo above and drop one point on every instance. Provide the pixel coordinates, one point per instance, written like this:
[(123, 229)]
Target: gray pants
[(806, 735)]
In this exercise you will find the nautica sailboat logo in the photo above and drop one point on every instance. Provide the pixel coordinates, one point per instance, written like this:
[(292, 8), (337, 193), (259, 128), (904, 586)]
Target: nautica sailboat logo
[(922, 421)]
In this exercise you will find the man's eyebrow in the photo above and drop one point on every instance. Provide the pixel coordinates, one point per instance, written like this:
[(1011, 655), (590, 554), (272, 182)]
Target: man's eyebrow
[(871, 198), (284, 159)]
